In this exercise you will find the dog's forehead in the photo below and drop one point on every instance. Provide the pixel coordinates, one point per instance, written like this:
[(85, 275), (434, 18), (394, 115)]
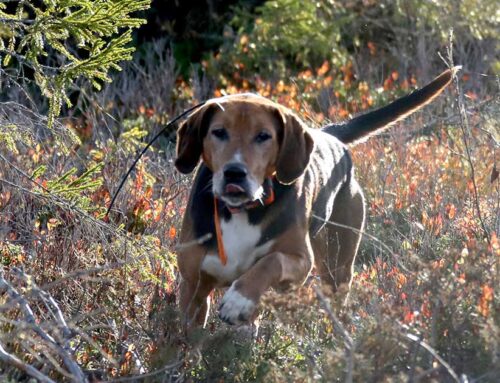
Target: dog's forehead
[(247, 106), (242, 100), (249, 97)]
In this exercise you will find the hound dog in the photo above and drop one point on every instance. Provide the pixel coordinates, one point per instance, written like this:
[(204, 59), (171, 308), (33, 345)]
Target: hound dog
[(261, 197)]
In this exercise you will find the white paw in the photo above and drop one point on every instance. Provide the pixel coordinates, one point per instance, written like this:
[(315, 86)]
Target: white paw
[(235, 308)]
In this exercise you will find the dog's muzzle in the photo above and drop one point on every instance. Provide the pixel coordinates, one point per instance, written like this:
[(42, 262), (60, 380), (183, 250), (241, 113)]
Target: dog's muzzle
[(235, 181), (235, 186)]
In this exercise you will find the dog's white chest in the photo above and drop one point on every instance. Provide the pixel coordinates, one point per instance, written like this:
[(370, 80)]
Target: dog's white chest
[(240, 240)]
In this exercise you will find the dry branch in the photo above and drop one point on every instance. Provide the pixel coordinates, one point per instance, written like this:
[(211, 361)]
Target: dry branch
[(348, 342), (17, 363), (18, 300), (434, 353)]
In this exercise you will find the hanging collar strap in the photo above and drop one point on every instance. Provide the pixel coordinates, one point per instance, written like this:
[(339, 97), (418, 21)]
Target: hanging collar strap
[(268, 200)]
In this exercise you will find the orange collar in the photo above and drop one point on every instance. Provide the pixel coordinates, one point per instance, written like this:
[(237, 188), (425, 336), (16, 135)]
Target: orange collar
[(268, 192)]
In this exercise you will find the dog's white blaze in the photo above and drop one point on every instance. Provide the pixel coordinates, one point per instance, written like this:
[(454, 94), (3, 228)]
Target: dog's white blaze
[(240, 244), (238, 158)]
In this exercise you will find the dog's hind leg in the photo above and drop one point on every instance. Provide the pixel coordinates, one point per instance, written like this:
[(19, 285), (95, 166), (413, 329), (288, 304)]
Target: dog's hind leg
[(338, 242)]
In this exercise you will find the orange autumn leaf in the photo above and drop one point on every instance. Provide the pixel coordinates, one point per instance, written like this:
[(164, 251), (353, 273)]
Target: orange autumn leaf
[(409, 316), (495, 244), (172, 232), (426, 312), (438, 224), (343, 113), (401, 278), (372, 47), (485, 300), (451, 210), (438, 198), (470, 185), (472, 95), (323, 69)]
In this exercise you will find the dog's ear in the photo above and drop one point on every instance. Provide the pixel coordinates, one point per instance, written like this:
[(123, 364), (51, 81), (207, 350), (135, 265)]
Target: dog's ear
[(296, 146), (190, 137)]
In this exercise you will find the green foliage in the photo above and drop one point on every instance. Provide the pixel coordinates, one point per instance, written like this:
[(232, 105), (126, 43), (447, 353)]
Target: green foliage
[(74, 189), (89, 38), (9, 253), (12, 133), (284, 36), (286, 33), (478, 17), (132, 138)]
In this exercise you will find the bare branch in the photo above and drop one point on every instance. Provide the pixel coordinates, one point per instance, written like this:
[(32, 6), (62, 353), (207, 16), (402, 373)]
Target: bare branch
[(337, 325), (194, 242), (136, 378), (465, 128), (68, 360), (434, 353), (17, 363)]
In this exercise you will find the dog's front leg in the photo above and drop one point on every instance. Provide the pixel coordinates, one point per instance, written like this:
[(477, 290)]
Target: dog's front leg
[(274, 270), (195, 301)]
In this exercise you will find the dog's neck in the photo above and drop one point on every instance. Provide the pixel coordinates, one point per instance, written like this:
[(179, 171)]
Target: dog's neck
[(267, 200)]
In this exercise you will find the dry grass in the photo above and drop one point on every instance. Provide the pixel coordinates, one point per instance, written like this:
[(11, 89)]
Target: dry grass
[(85, 295)]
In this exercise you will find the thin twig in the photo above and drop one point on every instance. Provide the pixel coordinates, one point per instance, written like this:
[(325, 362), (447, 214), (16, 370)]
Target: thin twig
[(136, 378), (364, 233), (68, 360), (337, 325), (16, 21), (49, 301), (429, 126), (194, 242), (434, 353), (465, 127), (83, 272), (170, 123), (17, 363)]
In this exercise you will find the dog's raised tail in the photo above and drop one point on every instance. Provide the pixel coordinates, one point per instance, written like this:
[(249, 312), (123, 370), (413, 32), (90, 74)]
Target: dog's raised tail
[(362, 127)]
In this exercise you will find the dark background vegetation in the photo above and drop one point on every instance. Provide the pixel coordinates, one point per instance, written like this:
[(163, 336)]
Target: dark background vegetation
[(89, 297), (194, 28)]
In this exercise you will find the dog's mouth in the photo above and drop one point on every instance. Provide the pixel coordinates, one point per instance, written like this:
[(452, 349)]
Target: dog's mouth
[(235, 195), (235, 190)]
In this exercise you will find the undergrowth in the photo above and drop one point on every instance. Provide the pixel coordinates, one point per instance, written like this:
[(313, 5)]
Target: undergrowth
[(84, 293)]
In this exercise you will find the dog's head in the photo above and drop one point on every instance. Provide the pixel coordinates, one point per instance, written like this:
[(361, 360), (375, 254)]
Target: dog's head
[(243, 139)]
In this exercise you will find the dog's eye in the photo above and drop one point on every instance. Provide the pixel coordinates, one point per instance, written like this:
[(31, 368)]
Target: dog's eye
[(220, 133), (262, 136)]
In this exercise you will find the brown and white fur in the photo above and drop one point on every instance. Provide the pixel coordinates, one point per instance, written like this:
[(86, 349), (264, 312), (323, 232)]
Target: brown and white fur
[(245, 141)]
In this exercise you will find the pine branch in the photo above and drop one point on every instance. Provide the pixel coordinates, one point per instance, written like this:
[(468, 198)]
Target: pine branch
[(90, 38)]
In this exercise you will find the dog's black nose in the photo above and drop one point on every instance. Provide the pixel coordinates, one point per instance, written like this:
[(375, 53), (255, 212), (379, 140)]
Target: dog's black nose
[(235, 172)]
